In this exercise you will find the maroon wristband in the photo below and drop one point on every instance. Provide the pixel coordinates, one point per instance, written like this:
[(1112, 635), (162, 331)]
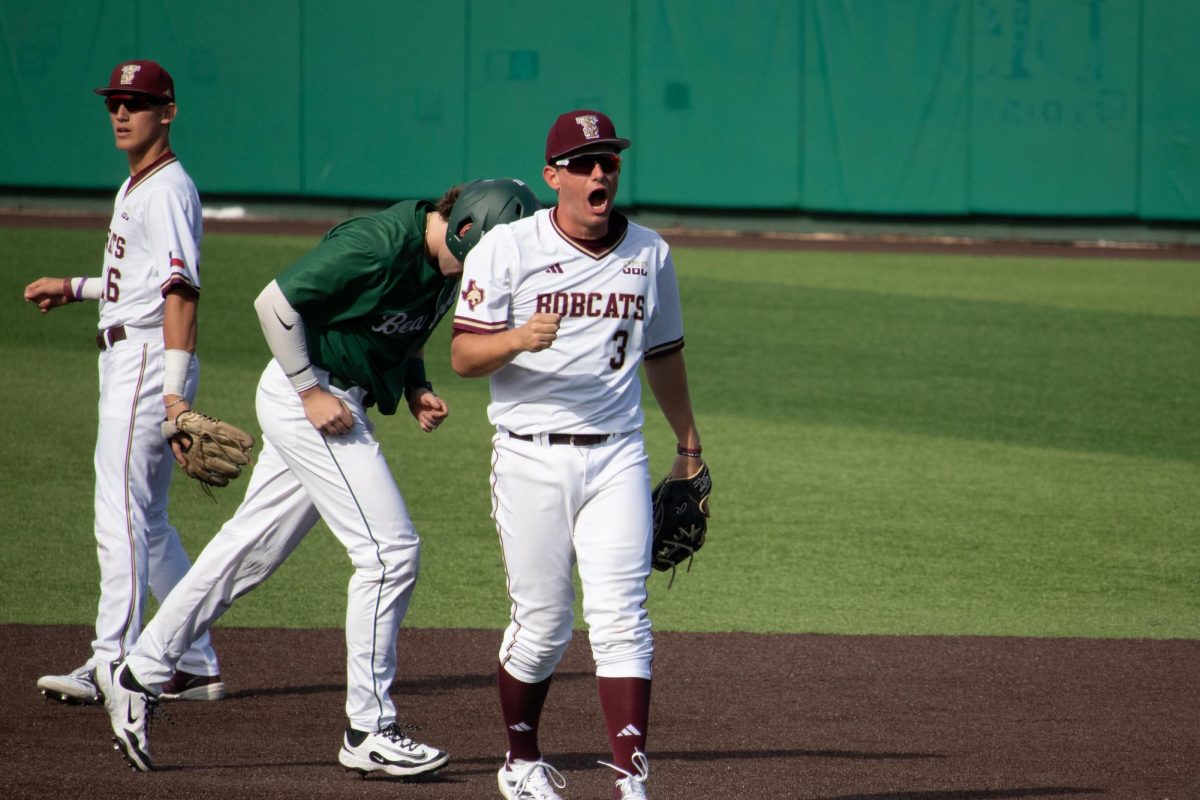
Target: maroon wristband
[(687, 451), (68, 294)]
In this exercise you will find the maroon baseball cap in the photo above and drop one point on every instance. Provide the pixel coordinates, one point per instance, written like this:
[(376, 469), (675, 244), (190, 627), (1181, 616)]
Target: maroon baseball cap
[(576, 130), (143, 78)]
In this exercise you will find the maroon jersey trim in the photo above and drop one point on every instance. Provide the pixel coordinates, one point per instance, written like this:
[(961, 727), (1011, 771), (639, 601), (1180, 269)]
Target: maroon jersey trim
[(596, 249), (177, 279), (468, 325), (160, 162)]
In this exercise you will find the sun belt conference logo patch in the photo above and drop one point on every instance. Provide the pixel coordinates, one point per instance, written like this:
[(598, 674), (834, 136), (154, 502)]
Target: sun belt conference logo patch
[(127, 73), (472, 294), (591, 126)]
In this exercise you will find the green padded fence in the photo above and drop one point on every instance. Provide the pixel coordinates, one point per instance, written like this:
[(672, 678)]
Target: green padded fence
[(947, 107)]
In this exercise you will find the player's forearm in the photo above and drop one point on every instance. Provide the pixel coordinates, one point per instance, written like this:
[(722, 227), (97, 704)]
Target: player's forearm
[(50, 293), (667, 376), (179, 342), (179, 319), (474, 355), (477, 355), (283, 329)]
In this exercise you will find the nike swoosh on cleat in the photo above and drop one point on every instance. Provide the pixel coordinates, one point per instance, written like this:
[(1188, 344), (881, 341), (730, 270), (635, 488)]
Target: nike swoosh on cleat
[(281, 322), (378, 759)]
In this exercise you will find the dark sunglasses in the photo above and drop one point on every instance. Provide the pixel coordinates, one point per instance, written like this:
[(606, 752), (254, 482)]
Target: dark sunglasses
[(132, 104), (583, 165)]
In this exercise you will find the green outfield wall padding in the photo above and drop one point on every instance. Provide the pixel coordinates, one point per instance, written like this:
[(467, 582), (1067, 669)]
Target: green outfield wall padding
[(382, 107), (886, 116), (55, 132), (1170, 129), (528, 61), (717, 103), (238, 70), (1054, 120), (1062, 108)]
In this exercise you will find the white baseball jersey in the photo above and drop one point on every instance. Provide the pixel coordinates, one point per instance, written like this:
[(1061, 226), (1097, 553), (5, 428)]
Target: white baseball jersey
[(619, 304), (153, 244)]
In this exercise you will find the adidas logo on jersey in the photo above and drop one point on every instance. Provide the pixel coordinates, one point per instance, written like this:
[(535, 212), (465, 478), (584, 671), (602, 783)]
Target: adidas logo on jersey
[(555, 268), (629, 730)]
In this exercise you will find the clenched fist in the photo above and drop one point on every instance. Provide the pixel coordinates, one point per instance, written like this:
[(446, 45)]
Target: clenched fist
[(539, 332), (326, 412)]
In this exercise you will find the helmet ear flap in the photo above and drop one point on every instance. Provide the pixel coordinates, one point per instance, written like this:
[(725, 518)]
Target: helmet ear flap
[(481, 206), (463, 231)]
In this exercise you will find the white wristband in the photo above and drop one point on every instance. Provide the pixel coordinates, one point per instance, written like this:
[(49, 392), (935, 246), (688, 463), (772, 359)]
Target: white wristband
[(175, 370), (87, 288)]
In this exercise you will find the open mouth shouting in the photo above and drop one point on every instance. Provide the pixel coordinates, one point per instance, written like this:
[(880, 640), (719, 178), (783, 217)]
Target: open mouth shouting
[(598, 200)]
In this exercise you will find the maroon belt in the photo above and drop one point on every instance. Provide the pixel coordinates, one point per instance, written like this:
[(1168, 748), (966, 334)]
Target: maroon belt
[(573, 439), (110, 336)]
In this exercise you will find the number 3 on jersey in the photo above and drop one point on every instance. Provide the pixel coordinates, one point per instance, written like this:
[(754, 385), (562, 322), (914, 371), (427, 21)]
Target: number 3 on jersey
[(621, 338)]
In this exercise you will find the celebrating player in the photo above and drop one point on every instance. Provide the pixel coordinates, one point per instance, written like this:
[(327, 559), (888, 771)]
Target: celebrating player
[(148, 295), (347, 325), (560, 309)]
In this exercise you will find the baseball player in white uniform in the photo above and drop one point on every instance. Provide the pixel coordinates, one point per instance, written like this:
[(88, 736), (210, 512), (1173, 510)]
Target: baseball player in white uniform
[(560, 309), (148, 294)]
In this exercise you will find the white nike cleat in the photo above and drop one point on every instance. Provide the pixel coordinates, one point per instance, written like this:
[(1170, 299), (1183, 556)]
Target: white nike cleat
[(77, 687), (529, 780), (388, 750), (129, 706), (633, 785)]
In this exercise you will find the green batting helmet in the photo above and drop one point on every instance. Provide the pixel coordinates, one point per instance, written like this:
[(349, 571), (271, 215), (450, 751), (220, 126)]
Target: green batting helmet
[(486, 204)]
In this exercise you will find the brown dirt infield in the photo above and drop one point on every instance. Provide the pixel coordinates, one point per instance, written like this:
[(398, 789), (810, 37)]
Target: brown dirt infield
[(734, 716)]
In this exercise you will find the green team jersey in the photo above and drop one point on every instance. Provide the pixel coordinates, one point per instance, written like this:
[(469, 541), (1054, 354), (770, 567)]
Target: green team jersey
[(370, 299)]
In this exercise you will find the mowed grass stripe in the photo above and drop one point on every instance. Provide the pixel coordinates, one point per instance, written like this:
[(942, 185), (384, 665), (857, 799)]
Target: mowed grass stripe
[(900, 444), (1160, 287), (845, 530), (990, 371)]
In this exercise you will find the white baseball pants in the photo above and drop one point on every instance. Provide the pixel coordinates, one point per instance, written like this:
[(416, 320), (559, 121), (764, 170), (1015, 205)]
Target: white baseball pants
[(300, 476), (136, 544), (556, 506)]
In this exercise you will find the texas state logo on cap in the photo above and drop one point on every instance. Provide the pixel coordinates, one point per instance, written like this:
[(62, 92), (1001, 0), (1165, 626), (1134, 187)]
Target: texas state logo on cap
[(140, 77), (578, 129)]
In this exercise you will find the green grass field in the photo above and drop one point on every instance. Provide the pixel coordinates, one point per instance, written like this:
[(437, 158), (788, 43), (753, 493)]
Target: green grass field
[(900, 444)]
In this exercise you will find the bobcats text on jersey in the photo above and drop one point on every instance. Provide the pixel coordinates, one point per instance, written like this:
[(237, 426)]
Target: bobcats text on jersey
[(619, 305)]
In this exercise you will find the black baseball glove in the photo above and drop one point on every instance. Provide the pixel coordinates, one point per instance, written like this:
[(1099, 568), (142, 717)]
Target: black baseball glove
[(680, 519)]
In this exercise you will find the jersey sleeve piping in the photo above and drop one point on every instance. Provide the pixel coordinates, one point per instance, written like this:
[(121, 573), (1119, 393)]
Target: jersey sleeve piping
[(177, 279), (468, 325), (664, 349)]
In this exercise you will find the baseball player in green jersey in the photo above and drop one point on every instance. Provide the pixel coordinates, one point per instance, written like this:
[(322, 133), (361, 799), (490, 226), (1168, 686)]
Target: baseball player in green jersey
[(346, 325)]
